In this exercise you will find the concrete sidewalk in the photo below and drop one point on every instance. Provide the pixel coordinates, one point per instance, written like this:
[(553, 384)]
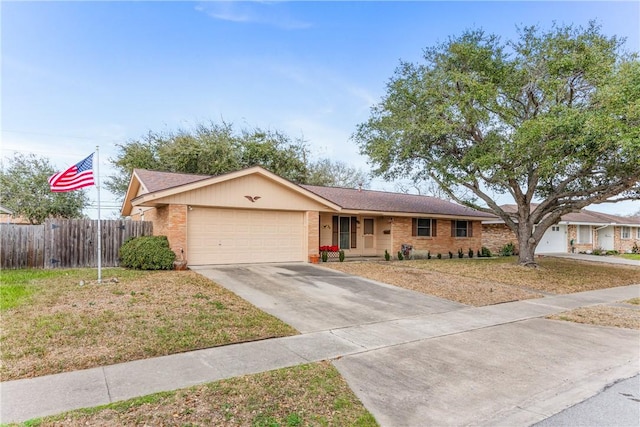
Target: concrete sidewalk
[(440, 341), (608, 259)]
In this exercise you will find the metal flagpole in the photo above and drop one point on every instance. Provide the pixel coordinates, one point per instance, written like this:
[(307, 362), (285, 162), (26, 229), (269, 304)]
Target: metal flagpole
[(99, 221)]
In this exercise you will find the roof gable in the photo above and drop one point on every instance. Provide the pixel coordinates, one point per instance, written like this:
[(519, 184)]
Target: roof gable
[(148, 188)]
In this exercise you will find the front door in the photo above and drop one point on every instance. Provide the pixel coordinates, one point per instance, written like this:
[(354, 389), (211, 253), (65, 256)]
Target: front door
[(368, 234), (605, 238), (345, 232)]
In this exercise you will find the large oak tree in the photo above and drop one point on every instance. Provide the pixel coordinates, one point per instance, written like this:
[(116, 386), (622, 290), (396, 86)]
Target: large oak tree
[(551, 118)]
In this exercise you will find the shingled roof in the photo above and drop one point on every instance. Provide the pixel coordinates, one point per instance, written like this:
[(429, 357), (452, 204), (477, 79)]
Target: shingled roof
[(346, 198), (381, 201), (156, 181), (586, 216)]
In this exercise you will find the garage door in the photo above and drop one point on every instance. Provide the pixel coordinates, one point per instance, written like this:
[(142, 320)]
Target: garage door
[(554, 240), (234, 236)]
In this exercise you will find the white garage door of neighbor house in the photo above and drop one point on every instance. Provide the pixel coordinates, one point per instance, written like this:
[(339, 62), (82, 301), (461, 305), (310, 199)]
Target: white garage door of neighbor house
[(554, 240), (236, 236)]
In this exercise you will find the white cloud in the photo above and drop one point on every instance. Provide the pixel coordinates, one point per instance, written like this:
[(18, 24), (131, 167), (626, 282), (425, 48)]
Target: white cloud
[(258, 12)]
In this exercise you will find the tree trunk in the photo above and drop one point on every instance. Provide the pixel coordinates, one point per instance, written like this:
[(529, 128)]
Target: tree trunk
[(527, 243)]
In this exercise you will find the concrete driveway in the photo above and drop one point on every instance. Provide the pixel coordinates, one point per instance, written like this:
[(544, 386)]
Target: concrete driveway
[(312, 298), (428, 361)]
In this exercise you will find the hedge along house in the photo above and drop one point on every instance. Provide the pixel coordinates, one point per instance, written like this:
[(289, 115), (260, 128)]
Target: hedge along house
[(255, 216), (583, 231)]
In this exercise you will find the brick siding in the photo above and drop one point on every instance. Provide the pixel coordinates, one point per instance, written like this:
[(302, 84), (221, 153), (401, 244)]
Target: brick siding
[(313, 233), (624, 245), (495, 236), (442, 243), (170, 221)]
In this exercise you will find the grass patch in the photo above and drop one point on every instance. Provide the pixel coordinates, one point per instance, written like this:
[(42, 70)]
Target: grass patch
[(554, 275), (635, 301), (635, 257), (419, 278), (63, 326), (313, 394)]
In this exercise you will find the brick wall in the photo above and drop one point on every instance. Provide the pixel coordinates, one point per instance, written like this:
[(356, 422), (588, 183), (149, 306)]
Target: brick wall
[(572, 234), (170, 221), (313, 233), (442, 243), (495, 236), (624, 245)]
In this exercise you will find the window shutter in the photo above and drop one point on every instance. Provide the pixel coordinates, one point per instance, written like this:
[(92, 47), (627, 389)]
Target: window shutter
[(434, 228), (414, 226), (453, 228), (354, 232), (469, 228), (334, 231)]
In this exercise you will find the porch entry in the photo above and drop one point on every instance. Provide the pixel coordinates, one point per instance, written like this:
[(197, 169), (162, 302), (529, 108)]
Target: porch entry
[(354, 233)]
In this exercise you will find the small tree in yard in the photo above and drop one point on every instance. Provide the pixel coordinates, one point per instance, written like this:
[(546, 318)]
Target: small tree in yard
[(24, 188), (552, 118)]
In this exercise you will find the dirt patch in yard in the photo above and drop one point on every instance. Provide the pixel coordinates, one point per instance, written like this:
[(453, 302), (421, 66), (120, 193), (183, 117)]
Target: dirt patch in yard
[(602, 315), (466, 290)]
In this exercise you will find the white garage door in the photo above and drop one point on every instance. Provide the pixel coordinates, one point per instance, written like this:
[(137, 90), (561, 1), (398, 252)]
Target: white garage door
[(554, 240), (235, 236)]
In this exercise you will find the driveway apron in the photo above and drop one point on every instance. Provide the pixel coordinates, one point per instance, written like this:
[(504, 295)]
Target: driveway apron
[(312, 298), (428, 361)]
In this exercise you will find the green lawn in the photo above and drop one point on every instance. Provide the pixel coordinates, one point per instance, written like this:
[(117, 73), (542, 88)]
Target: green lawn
[(63, 320), (630, 256)]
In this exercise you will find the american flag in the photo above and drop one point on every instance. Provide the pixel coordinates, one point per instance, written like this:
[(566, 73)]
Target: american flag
[(76, 177)]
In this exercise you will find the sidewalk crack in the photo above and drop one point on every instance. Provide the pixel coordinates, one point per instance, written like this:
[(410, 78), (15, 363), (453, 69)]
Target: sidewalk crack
[(106, 384)]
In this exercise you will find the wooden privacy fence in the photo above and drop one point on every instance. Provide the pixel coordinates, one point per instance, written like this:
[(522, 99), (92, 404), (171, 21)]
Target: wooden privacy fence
[(66, 243)]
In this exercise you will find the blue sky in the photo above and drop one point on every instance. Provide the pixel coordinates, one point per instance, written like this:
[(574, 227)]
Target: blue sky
[(80, 74)]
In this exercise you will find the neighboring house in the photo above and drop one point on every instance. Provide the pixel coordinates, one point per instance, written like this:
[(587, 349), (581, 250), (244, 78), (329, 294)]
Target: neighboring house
[(7, 217), (581, 231), (253, 216)]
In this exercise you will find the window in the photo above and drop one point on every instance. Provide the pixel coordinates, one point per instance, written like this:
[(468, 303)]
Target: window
[(461, 229), (638, 233), (368, 226), (626, 232), (584, 234), (424, 227)]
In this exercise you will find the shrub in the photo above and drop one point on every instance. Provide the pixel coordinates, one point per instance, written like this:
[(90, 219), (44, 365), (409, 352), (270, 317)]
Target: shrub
[(597, 251), (325, 256), (147, 253), (450, 255), (485, 252), (400, 256), (508, 250), (440, 256), (470, 253), (460, 253), (428, 255), (635, 249), (478, 254), (387, 257), (341, 256)]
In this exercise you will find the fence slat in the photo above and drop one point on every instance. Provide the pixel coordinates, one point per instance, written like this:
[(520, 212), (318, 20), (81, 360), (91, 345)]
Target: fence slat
[(66, 243)]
